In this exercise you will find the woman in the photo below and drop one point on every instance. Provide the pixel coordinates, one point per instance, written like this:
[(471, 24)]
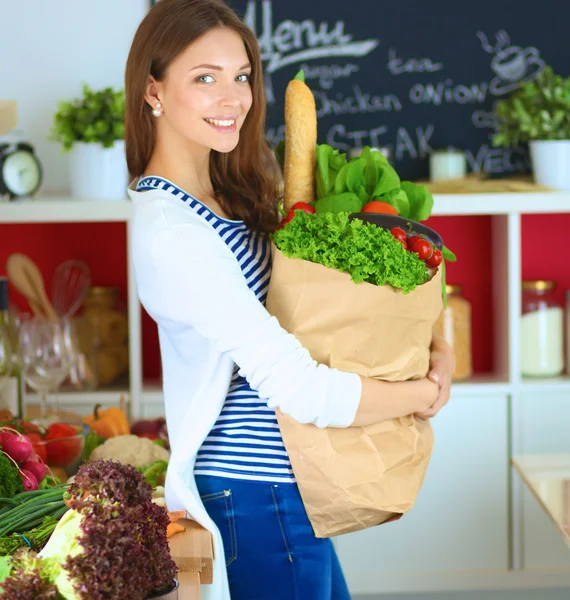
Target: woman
[(205, 200)]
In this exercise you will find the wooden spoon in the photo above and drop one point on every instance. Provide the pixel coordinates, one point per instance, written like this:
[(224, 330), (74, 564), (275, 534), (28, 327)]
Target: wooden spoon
[(28, 280)]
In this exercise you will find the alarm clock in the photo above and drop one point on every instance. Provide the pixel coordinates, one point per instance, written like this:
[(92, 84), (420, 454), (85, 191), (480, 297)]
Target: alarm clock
[(20, 170)]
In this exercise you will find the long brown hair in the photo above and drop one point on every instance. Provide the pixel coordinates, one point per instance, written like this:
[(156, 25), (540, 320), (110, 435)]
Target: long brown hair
[(245, 179)]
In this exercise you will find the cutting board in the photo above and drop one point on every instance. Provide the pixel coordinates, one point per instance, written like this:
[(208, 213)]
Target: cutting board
[(192, 550)]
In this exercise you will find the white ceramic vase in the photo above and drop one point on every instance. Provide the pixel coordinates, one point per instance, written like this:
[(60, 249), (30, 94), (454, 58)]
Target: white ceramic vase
[(98, 173), (551, 163)]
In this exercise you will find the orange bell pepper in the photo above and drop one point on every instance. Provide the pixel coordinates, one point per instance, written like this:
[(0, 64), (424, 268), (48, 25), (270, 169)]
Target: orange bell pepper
[(109, 422)]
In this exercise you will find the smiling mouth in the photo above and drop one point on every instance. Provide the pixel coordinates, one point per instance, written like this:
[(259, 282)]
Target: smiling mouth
[(225, 123)]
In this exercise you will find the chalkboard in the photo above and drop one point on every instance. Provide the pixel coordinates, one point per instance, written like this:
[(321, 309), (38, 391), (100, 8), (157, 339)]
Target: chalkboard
[(409, 75)]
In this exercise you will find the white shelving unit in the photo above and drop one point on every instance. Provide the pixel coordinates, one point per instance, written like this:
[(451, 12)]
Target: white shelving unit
[(490, 533)]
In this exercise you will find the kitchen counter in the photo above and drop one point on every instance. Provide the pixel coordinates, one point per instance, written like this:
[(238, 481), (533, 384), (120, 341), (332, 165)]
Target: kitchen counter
[(547, 476)]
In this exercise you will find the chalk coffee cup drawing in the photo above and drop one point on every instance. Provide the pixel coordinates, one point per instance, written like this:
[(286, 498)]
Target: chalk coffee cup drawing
[(511, 64)]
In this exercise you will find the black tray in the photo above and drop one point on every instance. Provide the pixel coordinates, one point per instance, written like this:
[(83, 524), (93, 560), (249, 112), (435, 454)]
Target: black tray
[(409, 226)]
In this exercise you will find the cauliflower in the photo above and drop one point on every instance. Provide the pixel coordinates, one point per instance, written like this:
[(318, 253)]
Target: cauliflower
[(131, 450)]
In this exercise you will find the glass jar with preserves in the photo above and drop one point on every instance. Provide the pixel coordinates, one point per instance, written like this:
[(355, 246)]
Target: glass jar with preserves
[(542, 330), (454, 324), (110, 330)]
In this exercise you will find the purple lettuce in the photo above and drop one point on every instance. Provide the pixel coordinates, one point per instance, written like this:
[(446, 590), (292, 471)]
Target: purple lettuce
[(109, 481)]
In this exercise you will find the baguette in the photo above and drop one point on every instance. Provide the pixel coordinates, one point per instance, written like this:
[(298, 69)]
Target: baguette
[(300, 144)]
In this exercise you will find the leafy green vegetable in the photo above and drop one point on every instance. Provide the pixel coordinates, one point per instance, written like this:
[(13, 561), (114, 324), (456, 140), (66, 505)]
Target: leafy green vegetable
[(388, 180), (448, 254), (355, 175), (323, 175), (155, 473), (37, 537), (5, 567), (340, 181), (337, 160), (347, 202), (29, 577), (111, 544), (371, 173), (368, 253), (399, 200), (10, 480), (421, 201), (92, 441), (330, 161)]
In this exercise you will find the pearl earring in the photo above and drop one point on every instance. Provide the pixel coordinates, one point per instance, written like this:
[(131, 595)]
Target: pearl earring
[(156, 111)]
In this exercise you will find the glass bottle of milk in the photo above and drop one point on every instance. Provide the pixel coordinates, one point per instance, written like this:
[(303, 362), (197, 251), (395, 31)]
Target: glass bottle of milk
[(542, 330)]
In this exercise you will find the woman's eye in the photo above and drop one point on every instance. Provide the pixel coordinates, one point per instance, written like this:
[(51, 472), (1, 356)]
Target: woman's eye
[(244, 77), (204, 79)]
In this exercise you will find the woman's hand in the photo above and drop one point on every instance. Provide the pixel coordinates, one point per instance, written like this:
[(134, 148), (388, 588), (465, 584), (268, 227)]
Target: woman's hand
[(441, 369)]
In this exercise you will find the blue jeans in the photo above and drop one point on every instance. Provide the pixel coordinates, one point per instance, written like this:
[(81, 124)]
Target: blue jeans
[(270, 550)]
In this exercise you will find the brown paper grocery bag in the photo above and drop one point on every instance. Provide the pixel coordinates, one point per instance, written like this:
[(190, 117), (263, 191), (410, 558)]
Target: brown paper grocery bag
[(356, 477)]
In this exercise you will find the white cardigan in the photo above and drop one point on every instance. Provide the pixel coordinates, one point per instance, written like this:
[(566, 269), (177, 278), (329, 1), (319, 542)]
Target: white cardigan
[(208, 319)]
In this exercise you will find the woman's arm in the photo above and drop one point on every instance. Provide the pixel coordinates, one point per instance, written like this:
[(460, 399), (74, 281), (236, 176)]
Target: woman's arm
[(383, 400)]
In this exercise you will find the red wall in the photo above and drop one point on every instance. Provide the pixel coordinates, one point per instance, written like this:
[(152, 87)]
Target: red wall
[(103, 246)]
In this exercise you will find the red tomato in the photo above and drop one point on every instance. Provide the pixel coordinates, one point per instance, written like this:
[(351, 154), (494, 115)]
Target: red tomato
[(288, 218), (376, 206), (150, 436), (38, 444), (420, 246), (399, 234), (27, 427), (435, 259), (62, 453), (304, 207)]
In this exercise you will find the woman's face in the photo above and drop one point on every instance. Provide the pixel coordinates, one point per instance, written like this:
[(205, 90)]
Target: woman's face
[(206, 93)]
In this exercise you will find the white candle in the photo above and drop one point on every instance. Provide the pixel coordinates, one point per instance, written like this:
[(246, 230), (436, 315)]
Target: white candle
[(447, 164)]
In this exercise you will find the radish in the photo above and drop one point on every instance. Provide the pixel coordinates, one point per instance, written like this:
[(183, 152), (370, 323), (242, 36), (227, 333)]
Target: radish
[(37, 468), (17, 446), (29, 480)]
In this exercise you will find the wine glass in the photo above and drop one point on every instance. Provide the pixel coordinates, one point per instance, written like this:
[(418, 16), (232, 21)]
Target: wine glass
[(45, 356)]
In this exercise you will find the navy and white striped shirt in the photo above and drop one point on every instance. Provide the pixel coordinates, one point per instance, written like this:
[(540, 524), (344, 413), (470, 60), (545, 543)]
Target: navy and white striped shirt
[(245, 442)]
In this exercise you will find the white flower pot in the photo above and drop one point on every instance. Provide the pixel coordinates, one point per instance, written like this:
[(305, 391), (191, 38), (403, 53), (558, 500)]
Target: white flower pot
[(551, 163), (98, 173)]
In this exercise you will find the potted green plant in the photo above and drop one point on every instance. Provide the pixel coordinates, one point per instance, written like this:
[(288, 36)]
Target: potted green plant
[(538, 112), (92, 129)]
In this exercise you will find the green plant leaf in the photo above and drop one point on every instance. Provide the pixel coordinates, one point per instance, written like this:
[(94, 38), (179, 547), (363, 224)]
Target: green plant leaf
[(337, 160), (448, 254), (371, 171), (355, 173), (536, 110), (421, 201), (96, 117), (399, 200), (322, 175), (300, 76), (388, 180), (340, 181), (379, 158), (362, 194), (347, 202)]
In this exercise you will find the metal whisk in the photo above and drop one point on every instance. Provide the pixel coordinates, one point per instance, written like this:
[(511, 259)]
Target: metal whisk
[(71, 281)]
